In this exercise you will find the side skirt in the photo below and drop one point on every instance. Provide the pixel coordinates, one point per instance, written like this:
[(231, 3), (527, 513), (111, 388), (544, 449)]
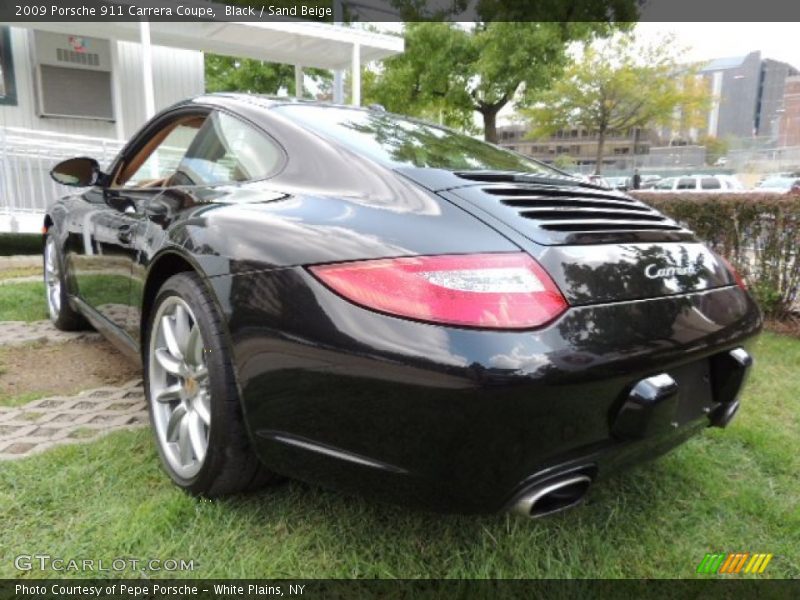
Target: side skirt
[(111, 332)]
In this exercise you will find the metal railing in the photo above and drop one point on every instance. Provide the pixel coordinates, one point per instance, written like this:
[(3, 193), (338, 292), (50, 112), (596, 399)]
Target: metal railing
[(26, 157), (766, 160)]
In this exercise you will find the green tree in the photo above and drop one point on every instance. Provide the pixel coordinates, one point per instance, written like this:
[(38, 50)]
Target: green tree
[(231, 74), (716, 148), (564, 162), (618, 86), (448, 72)]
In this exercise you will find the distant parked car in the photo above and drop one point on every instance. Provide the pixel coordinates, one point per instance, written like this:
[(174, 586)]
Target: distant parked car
[(699, 183), (665, 185), (620, 183), (780, 185), (650, 181)]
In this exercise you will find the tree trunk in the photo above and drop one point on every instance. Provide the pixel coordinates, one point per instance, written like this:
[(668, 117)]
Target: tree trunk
[(601, 142), (490, 124)]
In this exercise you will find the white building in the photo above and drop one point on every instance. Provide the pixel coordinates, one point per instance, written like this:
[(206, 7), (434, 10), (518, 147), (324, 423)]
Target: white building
[(76, 84), (70, 89)]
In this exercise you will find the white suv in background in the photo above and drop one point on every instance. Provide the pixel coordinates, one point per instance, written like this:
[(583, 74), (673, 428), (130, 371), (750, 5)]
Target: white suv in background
[(699, 183)]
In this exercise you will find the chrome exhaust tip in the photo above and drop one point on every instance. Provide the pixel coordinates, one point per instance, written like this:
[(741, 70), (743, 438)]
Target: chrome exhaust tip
[(723, 414), (552, 496)]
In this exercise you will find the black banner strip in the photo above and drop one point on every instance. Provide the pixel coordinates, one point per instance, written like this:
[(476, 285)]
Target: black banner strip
[(313, 589), (401, 10)]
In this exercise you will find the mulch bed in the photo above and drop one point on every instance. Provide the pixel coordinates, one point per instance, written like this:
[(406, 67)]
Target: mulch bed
[(64, 369), (788, 326)]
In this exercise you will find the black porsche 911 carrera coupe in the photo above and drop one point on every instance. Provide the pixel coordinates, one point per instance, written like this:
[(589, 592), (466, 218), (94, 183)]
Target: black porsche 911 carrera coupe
[(377, 304)]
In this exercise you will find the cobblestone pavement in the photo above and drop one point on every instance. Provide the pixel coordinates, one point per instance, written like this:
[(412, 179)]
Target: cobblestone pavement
[(42, 424), (14, 333)]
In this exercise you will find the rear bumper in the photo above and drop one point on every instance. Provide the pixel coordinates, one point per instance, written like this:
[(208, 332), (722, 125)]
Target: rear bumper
[(458, 420)]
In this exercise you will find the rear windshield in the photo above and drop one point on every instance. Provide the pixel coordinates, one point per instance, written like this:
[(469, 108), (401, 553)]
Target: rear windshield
[(403, 142)]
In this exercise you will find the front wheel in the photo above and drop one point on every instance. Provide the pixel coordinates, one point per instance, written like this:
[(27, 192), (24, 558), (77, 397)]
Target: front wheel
[(63, 316), (192, 395)]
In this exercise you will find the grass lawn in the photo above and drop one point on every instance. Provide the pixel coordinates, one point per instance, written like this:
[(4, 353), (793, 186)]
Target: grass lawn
[(725, 491), (26, 301), (20, 272), (19, 400), (23, 302)]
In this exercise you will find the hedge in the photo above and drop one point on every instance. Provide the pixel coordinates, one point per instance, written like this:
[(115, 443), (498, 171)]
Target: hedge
[(758, 233), (20, 243)]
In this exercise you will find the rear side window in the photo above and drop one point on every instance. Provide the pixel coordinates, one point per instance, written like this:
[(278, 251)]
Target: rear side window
[(400, 142), (686, 183), (710, 183), (227, 150)]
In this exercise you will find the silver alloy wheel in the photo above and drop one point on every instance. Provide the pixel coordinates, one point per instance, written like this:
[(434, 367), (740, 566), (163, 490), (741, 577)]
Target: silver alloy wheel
[(178, 386), (52, 279)]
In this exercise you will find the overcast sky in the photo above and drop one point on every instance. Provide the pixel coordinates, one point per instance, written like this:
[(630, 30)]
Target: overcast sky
[(706, 41), (715, 40)]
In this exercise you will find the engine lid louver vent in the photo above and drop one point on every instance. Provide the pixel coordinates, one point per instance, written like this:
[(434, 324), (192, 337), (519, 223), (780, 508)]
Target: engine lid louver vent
[(570, 212), (510, 176)]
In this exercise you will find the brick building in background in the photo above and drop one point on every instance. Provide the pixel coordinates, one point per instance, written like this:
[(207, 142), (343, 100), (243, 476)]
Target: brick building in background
[(580, 144)]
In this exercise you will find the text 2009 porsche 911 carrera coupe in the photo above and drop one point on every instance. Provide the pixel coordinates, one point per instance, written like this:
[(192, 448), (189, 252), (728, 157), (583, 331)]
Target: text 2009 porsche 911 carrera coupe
[(377, 304)]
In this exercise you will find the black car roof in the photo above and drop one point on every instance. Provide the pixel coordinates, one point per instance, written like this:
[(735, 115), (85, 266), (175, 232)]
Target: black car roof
[(268, 101)]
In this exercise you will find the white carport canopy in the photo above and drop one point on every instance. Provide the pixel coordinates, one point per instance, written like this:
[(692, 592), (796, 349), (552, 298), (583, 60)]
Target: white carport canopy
[(299, 43)]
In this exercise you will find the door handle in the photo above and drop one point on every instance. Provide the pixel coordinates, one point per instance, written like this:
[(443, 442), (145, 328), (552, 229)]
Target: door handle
[(125, 234)]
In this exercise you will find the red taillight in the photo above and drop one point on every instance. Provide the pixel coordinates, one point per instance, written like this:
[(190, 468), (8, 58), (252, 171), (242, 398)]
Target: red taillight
[(501, 291), (738, 278)]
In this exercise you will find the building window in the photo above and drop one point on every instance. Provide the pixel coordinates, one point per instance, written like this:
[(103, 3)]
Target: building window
[(8, 89)]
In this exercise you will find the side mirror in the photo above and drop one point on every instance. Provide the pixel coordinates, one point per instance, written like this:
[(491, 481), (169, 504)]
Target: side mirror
[(77, 172)]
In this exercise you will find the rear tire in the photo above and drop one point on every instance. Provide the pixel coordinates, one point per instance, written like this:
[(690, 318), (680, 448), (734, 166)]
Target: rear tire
[(62, 315), (192, 395)]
